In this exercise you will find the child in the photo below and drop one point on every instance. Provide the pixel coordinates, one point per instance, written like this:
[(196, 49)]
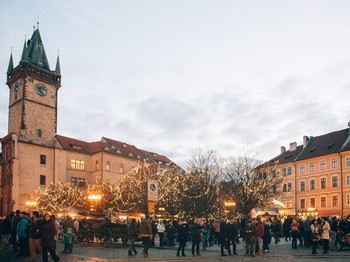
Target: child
[(68, 241)]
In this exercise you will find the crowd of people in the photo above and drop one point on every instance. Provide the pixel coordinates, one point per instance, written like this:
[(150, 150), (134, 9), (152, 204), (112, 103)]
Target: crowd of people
[(30, 234)]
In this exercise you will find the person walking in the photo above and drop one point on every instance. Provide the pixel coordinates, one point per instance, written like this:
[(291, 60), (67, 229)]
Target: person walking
[(295, 232), (276, 229), (6, 232), (267, 235), (13, 237), (196, 236), (68, 241), (161, 230), (182, 229), (286, 228), (325, 229), (259, 233), (232, 235), (307, 232), (146, 234), (48, 238), (223, 236), (35, 230), (133, 233), (316, 238), (249, 232), (22, 233), (333, 232)]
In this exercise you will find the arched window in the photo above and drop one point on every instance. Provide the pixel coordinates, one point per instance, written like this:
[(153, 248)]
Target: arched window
[(121, 169), (97, 166), (108, 166)]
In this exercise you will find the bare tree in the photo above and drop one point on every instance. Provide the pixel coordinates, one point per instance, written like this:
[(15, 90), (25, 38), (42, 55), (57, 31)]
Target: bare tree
[(250, 183)]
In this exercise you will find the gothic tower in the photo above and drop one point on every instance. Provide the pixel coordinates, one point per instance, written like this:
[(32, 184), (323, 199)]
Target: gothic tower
[(33, 94)]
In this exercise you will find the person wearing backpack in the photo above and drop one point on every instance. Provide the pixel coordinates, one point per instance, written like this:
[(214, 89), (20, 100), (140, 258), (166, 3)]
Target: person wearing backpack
[(23, 234)]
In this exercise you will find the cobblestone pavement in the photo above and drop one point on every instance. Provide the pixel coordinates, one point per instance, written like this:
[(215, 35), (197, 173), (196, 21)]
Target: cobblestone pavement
[(94, 252)]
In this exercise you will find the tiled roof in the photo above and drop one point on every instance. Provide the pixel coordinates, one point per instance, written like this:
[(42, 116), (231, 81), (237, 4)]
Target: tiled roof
[(289, 156), (325, 144), (73, 144), (110, 146)]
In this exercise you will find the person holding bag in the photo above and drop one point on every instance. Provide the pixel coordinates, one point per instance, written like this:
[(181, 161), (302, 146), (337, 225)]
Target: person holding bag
[(316, 238), (326, 228)]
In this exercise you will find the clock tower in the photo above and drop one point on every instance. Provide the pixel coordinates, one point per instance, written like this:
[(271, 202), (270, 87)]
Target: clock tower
[(33, 94)]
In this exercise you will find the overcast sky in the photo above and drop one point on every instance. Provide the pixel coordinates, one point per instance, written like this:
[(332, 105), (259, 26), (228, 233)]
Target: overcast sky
[(173, 76)]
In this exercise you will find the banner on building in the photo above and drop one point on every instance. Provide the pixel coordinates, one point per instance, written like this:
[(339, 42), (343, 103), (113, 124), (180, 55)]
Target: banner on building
[(152, 190)]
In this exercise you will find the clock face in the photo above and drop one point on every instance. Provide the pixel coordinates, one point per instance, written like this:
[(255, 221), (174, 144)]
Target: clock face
[(15, 89), (41, 89)]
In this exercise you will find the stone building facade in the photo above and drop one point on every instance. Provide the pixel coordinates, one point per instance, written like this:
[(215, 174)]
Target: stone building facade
[(34, 155)]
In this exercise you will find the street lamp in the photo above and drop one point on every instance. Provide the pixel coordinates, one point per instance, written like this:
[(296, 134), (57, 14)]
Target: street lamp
[(30, 205), (94, 200), (229, 204)]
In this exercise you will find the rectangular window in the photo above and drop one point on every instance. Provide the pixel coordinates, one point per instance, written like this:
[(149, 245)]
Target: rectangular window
[(78, 164), (334, 181), (334, 163), (348, 180), (284, 171), (39, 133), (42, 180), (264, 175), (274, 189), (289, 187), (284, 187), (302, 203), (312, 202), (323, 165), (302, 169), (335, 201), (347, 162), (289, 170), (312, 167), (323, 202), (289, 204), (77, 181), (323, 183), (42, 159), (312, 184), (302, 186)]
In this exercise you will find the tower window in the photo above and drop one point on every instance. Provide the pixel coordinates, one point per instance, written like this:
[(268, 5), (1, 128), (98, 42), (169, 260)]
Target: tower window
[(42, 180), (42, 159), (97, 166), (39, 133)]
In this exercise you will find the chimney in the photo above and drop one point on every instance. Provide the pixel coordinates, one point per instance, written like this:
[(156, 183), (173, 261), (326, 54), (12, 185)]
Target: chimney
[(305, 141), (283, 149), (293, 146)]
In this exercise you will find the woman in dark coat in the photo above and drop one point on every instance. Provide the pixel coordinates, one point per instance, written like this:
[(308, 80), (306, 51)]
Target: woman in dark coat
[(48, 238)]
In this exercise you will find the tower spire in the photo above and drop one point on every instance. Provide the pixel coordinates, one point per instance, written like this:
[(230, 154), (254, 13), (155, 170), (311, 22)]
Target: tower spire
[(58, 66), (24, 52), (10, 67)]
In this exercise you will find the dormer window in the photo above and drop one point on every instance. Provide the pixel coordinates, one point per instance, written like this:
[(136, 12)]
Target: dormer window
[(106, 148), (40, 42), (124, 145), (118, 151), (138, 157), (130, 154), (76, 147), (113, 147)]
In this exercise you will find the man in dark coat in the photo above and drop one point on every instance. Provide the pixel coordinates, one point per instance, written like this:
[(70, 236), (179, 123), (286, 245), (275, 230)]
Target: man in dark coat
[(232, 235), (182, 229), (223, 236), (15, 220)]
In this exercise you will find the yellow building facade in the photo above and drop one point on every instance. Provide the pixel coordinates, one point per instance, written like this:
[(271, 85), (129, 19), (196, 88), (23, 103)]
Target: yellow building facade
[(317, 176)]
